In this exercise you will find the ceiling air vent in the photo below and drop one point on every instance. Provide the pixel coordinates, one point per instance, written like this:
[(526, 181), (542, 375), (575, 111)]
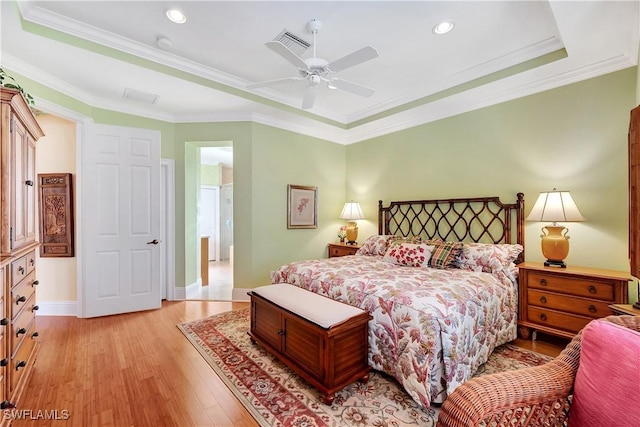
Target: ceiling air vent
[(296, 43), (136, 95)]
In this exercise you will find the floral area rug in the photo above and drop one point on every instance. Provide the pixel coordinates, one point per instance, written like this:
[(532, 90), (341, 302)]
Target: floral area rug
[(275, 396)]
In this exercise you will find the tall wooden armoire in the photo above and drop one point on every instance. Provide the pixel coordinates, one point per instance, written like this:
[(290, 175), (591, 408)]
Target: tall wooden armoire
[(19, 132), (634, 195)]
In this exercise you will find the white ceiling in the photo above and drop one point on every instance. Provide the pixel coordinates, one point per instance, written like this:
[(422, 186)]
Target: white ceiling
[(95, 50)]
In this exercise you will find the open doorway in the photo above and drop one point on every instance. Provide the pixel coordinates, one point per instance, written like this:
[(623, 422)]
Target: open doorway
[(215, 224)]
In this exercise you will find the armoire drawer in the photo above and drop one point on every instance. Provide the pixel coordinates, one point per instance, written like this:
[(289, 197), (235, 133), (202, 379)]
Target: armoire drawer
[(19, 362), (21, 293), (20, 326), (22, 266)]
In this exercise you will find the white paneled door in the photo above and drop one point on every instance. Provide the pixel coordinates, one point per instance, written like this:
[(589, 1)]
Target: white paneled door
[(121, 221)]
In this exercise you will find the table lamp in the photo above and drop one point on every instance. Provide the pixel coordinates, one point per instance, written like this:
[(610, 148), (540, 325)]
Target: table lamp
[(352, 211), (555, 206)]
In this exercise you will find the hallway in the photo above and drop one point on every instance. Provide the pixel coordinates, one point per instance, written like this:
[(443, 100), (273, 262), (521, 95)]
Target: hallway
[(220, 285)]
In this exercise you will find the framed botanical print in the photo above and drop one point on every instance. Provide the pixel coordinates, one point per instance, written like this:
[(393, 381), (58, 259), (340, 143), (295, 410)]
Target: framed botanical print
[(302, 206), (56, 215)]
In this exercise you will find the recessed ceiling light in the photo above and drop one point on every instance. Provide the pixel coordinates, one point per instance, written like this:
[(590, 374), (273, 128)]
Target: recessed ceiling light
[(444, 27), (176, 15)]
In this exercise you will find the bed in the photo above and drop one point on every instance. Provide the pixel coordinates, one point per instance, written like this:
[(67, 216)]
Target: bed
[(439, 279)]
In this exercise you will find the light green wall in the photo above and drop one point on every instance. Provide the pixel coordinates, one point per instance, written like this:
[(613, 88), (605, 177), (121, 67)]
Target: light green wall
[(573, 138), (265, 160), (210, 174), (281, 158)]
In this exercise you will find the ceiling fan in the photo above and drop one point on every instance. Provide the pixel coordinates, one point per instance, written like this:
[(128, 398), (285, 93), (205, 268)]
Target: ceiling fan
[(317, 70)]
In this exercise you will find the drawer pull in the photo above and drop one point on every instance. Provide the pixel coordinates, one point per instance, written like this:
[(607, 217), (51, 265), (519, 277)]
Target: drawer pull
[(592, 289), (281, 333), (5, 404), (35, 283), (21, 299), (4, 362), (593, 309), (21, 331), (21, 270), (543, 282), (543, 300), (21, 364), (32, 262), (4, 322), (35, 335), (29, 183), (35, 308), (543, 317)]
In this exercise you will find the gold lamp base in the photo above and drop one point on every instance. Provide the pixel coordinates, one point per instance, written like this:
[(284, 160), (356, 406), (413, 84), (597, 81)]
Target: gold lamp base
[(555, 245), (352, 233)]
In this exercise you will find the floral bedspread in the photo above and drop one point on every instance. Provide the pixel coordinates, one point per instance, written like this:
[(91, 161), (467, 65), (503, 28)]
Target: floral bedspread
[(431, 328)]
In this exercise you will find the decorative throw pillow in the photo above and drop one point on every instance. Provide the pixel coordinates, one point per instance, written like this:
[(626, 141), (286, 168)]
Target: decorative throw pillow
[(444, 254), (606, 389), (488, 257), (374, 245), (409, 254)]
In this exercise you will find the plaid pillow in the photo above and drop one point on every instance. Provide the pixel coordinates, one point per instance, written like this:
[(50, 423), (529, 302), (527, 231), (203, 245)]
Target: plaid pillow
[(445, 254)]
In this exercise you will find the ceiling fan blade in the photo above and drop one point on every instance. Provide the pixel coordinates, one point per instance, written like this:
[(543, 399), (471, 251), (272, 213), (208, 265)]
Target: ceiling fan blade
[(286, 53), (309, 96), (274, 82), (355, 58), (351, 87)]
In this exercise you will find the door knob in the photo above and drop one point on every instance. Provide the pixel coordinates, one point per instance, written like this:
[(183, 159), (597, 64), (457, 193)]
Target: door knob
[(153, 242)]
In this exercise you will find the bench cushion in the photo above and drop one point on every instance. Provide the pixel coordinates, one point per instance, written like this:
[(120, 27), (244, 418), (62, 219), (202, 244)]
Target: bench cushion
[(318, 309)]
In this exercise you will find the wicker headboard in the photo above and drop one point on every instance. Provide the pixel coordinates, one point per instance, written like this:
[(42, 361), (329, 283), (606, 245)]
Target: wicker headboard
[(476, 219)]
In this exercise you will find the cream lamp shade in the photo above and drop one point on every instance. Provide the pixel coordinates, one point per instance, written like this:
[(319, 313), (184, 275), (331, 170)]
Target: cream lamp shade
[(555, 206), (351, 212)]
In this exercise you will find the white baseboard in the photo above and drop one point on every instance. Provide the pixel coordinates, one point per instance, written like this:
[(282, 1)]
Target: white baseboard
[(240, 294), (57, 308), (70, 308)]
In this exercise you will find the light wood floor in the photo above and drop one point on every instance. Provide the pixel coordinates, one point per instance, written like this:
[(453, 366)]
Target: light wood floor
[(136, 370)]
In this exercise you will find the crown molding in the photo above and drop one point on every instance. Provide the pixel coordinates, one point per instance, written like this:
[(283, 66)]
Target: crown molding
[(527, 53), (480, 97)]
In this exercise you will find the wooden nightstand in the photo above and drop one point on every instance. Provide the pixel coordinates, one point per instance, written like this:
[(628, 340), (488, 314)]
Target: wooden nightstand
[(561, 301), (624, 309), (342, 249)]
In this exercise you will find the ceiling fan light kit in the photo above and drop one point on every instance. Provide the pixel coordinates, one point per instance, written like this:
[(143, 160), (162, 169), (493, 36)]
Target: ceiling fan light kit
[(318, 70)]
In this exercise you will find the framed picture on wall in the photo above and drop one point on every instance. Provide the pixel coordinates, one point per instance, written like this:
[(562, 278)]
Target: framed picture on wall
[(302, 206)]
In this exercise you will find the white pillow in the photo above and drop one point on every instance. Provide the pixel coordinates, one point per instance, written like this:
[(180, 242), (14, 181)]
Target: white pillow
[(409, 254)]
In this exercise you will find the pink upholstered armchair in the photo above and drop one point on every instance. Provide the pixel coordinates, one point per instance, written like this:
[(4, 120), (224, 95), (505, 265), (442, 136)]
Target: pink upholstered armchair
[(543, 395)]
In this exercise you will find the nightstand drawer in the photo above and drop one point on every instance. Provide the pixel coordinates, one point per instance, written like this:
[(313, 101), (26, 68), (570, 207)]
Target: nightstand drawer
[(569, 304), (340, 249), (557, 320), (572, 286)]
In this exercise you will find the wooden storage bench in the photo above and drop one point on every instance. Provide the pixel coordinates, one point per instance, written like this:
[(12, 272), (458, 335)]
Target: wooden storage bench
[(322, 340)]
